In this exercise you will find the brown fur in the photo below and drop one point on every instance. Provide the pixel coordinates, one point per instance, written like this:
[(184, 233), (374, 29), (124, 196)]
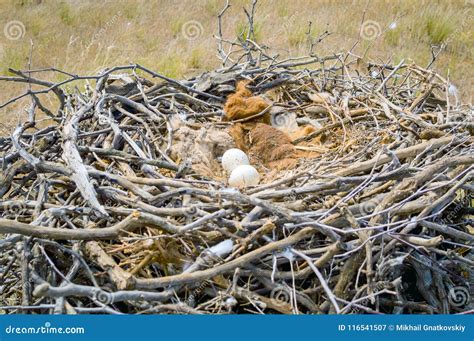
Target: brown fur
[(306, 130), (271, 144), (242, 104), (239, 133)]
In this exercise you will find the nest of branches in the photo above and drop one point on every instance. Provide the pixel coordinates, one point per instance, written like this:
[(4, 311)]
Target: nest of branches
[(117, 203)]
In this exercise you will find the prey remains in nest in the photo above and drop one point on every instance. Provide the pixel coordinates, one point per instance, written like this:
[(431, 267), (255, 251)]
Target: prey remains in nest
[(265, 144), (242, 104)]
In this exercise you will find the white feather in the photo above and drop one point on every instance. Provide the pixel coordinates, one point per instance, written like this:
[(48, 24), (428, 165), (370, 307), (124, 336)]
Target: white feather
[(222, 249)]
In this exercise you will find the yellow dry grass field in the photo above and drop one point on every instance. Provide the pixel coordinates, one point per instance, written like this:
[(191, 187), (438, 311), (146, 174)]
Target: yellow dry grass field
[(176, 37)]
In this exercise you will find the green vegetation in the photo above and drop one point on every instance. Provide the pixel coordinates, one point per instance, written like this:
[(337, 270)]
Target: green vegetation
[(438, 28), (298, 35), (84, 36), (242, 30), (65, 14)]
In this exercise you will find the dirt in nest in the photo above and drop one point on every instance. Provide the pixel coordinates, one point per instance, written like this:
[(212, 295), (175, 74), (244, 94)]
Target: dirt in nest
[(268, 148), (201, 148)]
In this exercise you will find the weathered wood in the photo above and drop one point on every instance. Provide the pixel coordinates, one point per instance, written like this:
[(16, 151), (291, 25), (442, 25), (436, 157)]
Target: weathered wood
[(123, 192)]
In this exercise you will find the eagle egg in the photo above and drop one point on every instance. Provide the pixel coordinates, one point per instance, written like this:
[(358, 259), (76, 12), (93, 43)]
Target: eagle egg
[(232, 158), (244, 176)]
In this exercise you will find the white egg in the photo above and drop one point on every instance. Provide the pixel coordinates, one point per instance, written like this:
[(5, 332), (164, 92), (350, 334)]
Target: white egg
[(232, 158), (244, 176)]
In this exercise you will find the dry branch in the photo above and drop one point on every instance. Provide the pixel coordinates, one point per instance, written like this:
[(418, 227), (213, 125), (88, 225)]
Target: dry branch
[(118, 203)]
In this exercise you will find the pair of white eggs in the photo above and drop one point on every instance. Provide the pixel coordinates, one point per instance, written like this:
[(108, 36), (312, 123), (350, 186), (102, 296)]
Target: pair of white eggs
[(237, 164)]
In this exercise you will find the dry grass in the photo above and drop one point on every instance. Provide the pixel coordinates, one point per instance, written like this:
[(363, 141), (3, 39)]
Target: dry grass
[(84, 36)]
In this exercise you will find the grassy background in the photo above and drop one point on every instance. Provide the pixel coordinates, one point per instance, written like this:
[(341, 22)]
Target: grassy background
[(86, 36)]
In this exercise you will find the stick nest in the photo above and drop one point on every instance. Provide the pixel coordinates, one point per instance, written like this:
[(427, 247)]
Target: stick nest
[(115, 201)]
